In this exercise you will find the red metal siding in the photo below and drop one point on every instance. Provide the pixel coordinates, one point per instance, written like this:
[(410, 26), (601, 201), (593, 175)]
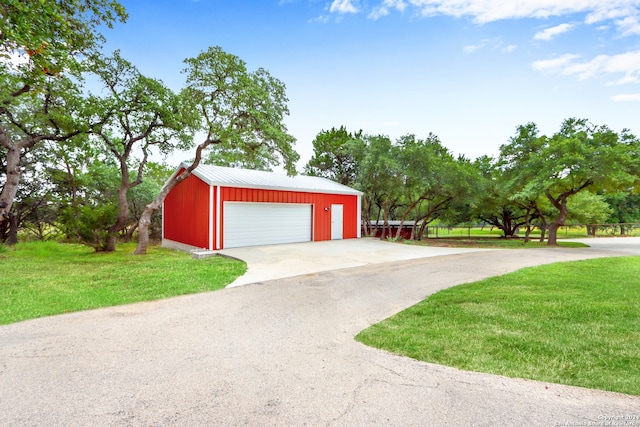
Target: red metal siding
[(186, 213), (322, 218)]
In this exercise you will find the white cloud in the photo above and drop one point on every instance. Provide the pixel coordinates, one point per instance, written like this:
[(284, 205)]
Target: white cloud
[(624, 13), (385, 8), (484, 11), (492, 44), (323, 19), (471, 48), (626, 97), (627, 64), (343, 6), (549, 33), (629, 25), (554, 64)]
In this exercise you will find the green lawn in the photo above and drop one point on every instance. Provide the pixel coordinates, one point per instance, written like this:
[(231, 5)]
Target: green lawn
[(45, 278), (575, 323), (490, 242)]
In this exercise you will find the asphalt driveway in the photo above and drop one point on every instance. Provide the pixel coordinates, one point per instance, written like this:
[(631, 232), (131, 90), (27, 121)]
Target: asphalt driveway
[(279, 352)]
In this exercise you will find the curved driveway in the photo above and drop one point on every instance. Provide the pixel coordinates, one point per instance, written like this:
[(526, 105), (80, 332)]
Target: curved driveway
[(281, 353)]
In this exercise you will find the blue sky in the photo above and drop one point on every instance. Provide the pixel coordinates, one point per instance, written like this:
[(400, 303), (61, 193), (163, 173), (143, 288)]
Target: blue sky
[(469, 71)]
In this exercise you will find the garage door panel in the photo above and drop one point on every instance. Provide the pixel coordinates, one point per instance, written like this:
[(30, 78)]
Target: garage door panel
[(255, 224)]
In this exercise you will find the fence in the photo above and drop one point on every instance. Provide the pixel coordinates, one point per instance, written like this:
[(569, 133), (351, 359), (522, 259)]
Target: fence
[(568, 231)]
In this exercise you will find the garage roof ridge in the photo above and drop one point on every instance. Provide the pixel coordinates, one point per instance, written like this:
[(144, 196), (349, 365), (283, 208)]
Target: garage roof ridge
[(248, 178)]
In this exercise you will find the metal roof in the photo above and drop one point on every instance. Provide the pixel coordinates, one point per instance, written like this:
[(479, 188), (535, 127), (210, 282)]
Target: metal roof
[(247, 178)]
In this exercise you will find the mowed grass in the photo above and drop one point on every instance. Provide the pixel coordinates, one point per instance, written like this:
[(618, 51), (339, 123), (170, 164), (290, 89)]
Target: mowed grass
[(575, 323), (46, 278), (490, 242)]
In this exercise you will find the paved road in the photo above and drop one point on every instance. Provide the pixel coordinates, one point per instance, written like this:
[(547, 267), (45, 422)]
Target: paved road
[(278, 353)]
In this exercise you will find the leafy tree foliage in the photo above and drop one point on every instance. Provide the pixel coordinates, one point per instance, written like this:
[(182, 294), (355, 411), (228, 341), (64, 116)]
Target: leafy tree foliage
[(138, 114), (335, 155), (410, 179), (40, 44), (432, 180), (579, 157), (625, 208), (240, 110), (379, 181), (494, 204), (588, 208), (88, 218)]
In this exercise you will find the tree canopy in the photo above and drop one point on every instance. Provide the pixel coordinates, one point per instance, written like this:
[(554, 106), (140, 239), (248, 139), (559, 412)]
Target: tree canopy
[(579, 157), (240, 112), (40, 48), (90, 156)]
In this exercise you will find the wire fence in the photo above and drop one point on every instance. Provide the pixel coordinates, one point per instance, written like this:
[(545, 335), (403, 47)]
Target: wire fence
[(566, 231), (409, 230)]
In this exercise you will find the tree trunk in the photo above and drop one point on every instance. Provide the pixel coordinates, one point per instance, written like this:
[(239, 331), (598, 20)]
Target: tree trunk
[(385, 219), (13, 229), (129, 234), (10, 188), (404, 217), (556, 224), (145, 218), (145, 221), (527, 224), (121, 222)]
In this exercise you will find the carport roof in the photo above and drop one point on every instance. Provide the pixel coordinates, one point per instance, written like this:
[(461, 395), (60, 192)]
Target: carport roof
[(247, 178)]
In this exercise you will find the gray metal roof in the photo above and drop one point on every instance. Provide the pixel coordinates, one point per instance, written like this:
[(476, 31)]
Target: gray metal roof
[(246, 178)]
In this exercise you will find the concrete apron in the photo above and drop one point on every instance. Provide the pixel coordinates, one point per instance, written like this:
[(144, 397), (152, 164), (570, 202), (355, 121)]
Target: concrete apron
[(296, 259)]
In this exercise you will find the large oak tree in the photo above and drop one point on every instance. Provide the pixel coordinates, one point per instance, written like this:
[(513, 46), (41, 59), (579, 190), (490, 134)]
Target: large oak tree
[(41, 43), (239, 110), (136, 115), (579, 157)]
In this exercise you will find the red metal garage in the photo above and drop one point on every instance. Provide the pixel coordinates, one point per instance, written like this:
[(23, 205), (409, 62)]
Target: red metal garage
[(219, 207)]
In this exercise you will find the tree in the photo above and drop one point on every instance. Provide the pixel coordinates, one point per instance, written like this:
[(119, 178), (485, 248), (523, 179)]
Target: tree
[(95, 208), (379, 179), (494, 203), (238, 109), (625, 209), (156, 174), (137, 115), (432, 180), (225, 154), (579, 157), (40, 44), (588, 208), (335, 155)]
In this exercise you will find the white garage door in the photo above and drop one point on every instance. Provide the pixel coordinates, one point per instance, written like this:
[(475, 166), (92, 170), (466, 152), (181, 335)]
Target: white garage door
[(255, 224)]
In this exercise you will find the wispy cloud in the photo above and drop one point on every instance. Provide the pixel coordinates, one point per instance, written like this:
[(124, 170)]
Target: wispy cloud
[(471, 48), (343, 6), (555, 63), (386, 7), (625, 14), (625, 64), (626, 97), (491, 44), (549, 33)]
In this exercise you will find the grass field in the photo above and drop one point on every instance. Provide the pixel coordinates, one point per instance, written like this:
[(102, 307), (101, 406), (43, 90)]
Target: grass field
[(564, 232), (575, 323), (488, 242), (45, 278)]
